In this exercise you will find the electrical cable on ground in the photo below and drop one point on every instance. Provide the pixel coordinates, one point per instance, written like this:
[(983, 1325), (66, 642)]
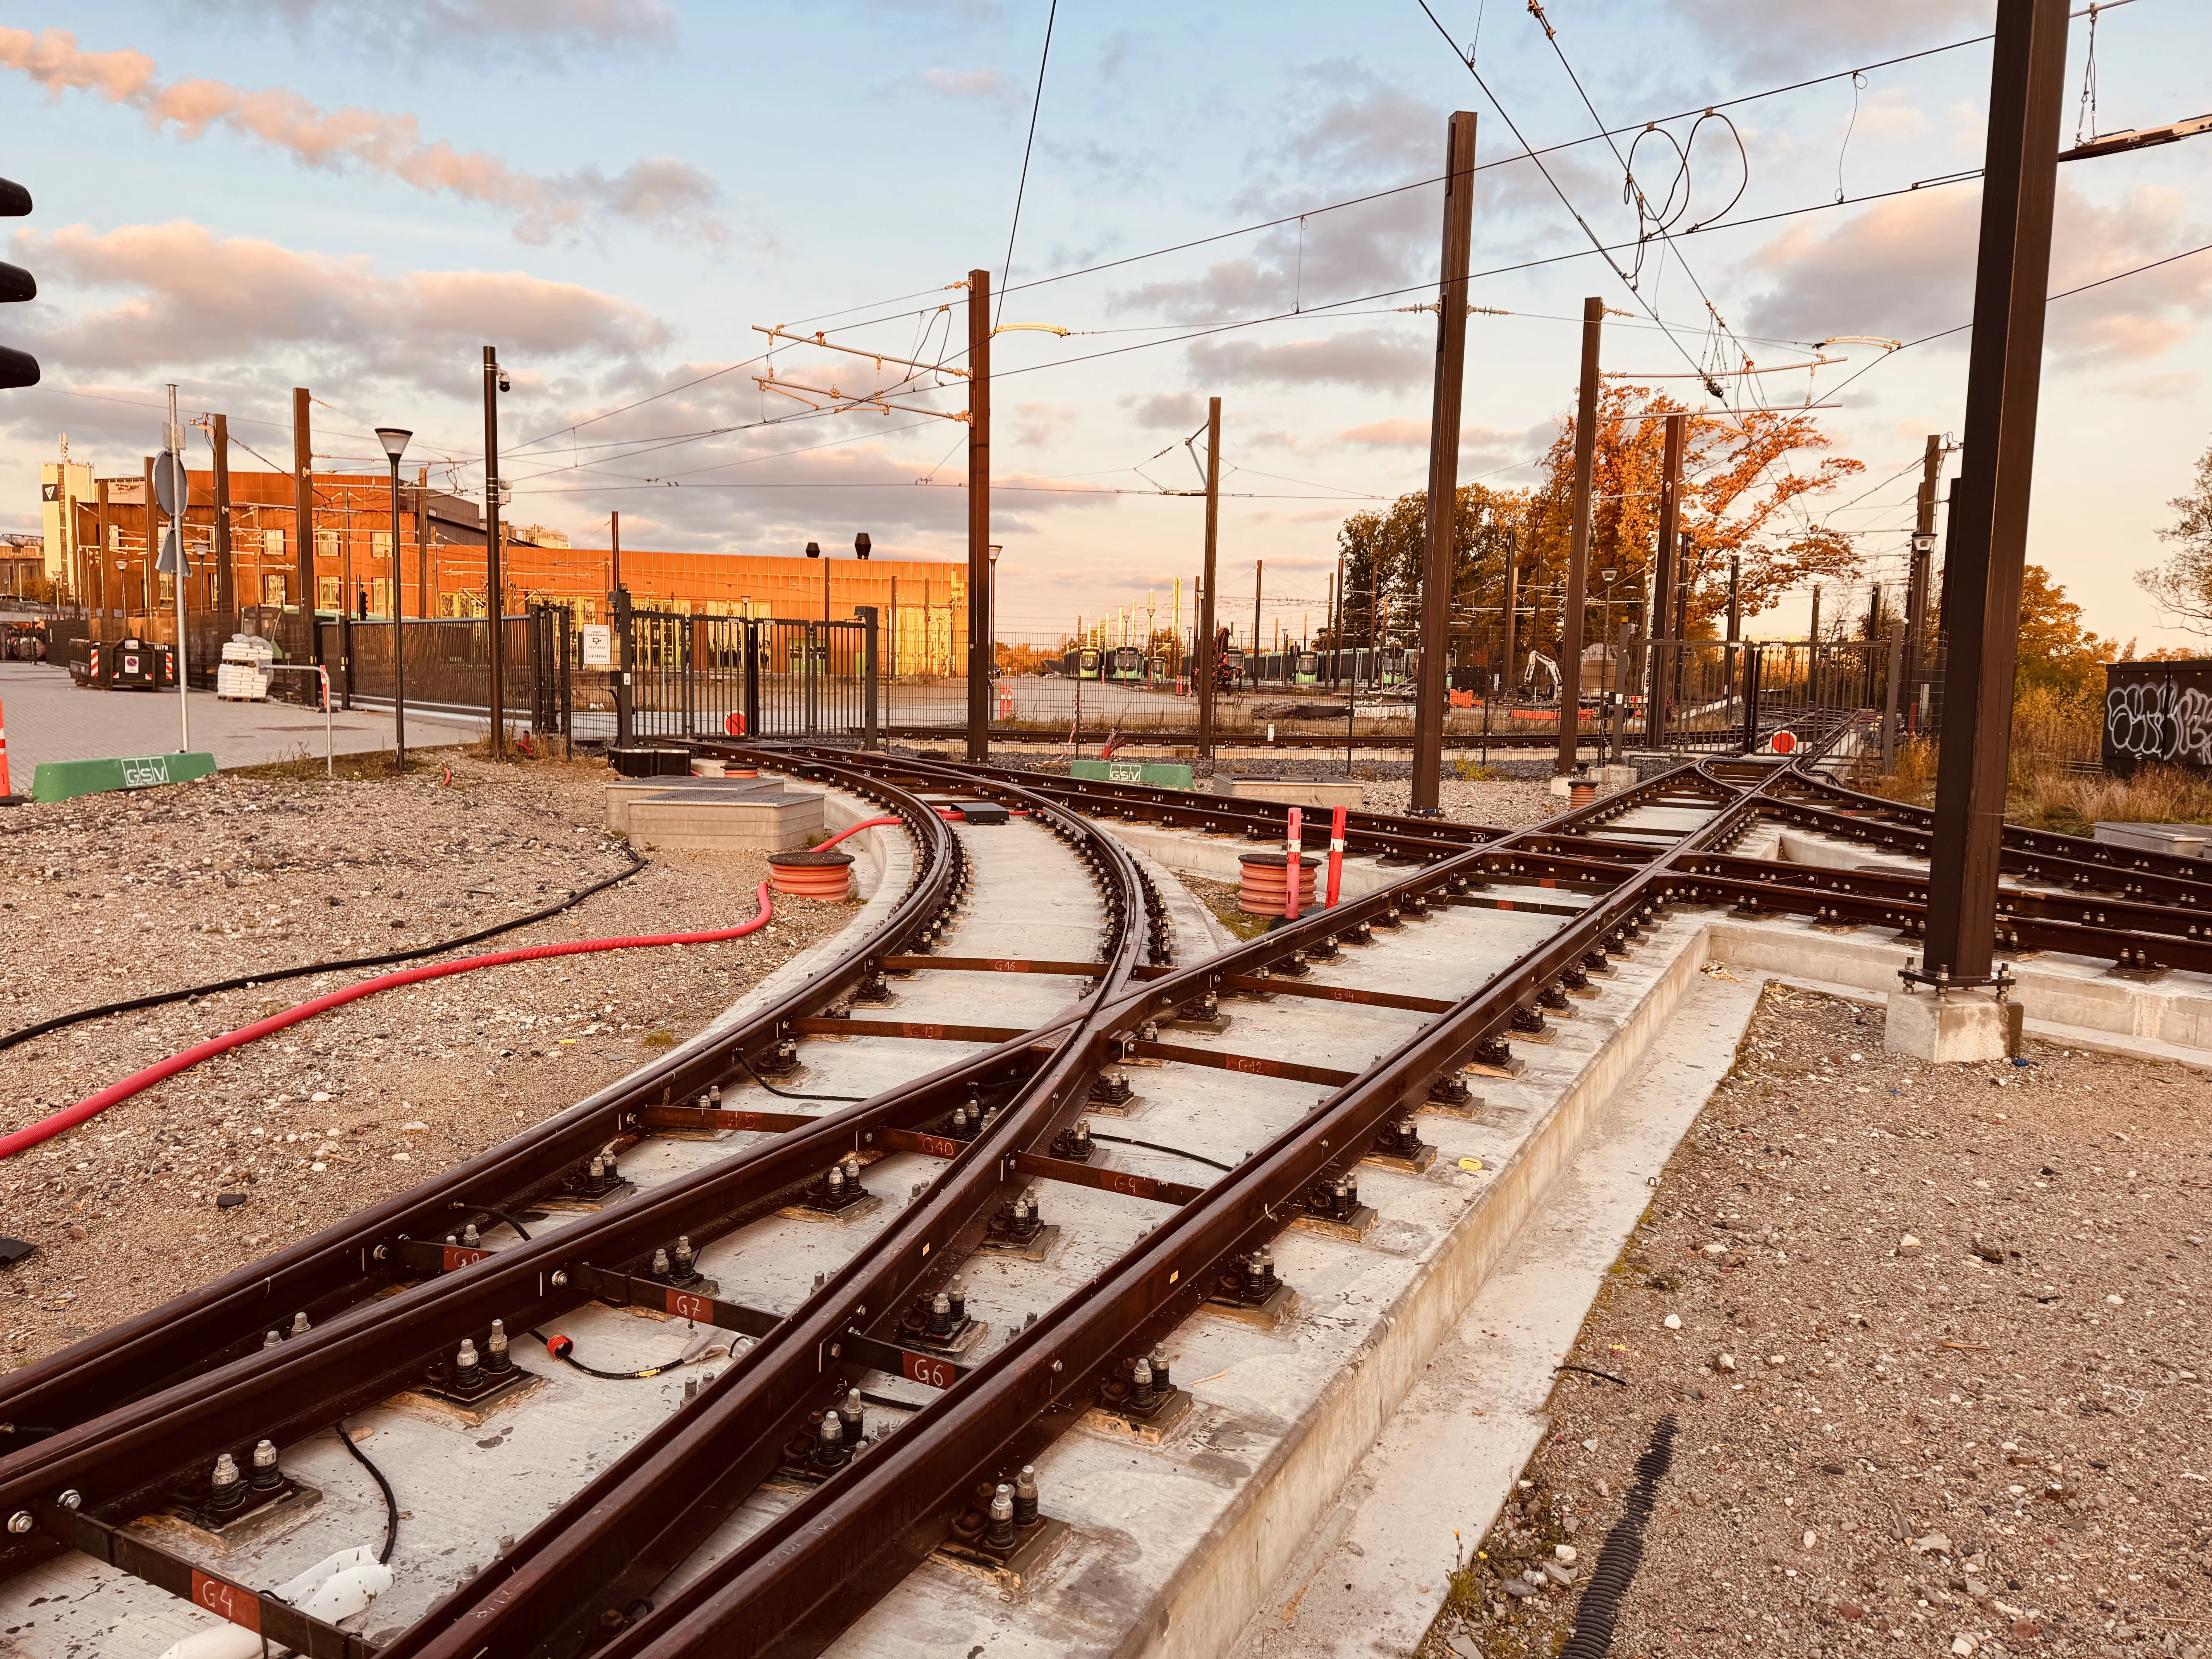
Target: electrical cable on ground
[(1172, 1152), (270, 976), (562, 1348), (391, 1501), (93, 1104)]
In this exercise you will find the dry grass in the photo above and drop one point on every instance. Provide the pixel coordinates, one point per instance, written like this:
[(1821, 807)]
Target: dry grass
[(2052, 736)]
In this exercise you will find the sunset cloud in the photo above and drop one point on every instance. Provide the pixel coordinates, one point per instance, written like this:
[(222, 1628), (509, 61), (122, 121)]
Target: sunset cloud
[(660, 191)]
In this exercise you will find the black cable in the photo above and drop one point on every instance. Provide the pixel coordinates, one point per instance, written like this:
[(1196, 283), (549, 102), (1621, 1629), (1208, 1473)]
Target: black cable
[(787, 1094), (520, 1231), (566, 1350), (1587, 1371), (1155, 1146), (1021, 189), (390, 1502), (272, 975)]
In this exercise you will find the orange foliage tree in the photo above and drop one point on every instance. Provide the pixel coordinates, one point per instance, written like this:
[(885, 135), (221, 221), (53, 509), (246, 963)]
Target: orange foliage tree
[(1747, 482)]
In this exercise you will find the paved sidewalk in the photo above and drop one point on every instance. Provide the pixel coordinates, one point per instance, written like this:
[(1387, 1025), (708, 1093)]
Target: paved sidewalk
[(49, 718)]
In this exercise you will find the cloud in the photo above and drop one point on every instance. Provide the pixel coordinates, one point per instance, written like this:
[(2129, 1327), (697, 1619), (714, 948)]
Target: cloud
[(1905, 268), (1365, 357), (2179, 384), (191, 299), (1791, 33), (552, 23), (1387, 434), (1040, 424), (660, 191), (1175, 411), (984, 85)]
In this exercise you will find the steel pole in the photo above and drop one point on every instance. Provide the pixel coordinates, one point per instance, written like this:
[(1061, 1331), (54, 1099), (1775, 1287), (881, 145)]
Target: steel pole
[(979, 513), (1440, 555), (1915, 592), (1989, 522), (1206, 646), (1658, 624), (399, 632), (1570, 618), (492, 576)]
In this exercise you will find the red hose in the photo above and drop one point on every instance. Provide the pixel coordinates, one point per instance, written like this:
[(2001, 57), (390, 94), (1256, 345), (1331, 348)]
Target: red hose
[(93, 1104), (864, 823)]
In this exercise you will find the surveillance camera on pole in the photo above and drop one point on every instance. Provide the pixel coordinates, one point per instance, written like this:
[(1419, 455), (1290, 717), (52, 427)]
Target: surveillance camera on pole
[(17, 368)]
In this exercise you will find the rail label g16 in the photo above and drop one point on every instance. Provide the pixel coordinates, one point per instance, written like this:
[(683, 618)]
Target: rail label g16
[(227, 1601), (927, 1369)]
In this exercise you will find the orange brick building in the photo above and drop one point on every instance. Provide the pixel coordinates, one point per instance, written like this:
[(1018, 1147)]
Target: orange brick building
[(437, 569)]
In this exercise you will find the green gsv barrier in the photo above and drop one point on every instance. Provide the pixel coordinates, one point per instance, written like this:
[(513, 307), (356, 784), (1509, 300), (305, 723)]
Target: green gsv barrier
[(66, 780), (1160, 775)]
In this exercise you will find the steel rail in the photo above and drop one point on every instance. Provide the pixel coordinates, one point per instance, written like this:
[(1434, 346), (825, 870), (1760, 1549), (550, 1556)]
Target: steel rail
[(353, 1359), (2049, 844), (225, 1319), (653, 1505), (760, 1597), (574, 1579)]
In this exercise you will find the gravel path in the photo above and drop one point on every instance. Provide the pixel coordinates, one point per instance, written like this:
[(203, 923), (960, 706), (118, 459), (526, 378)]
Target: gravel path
[(1939, 1370), (115, 895)]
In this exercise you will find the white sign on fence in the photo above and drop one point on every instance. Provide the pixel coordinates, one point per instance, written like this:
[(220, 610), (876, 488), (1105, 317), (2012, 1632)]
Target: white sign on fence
[(598, 645)]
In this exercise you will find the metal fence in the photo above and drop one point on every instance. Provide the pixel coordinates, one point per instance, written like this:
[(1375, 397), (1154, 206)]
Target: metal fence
[(687, 677), (1717, 696)]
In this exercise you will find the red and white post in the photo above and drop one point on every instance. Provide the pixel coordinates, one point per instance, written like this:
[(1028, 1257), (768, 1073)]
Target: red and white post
[(1335, 855), (1294, 855)]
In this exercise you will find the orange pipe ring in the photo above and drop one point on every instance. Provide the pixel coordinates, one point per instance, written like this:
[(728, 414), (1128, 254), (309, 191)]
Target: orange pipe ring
[(1264, 886), (812, 874)]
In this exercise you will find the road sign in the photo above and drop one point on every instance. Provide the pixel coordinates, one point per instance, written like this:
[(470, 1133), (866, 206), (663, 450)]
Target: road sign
[(170, 486), (173, 558), (598, 645)]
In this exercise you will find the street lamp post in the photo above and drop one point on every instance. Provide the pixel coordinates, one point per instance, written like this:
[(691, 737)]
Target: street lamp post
[(394, 440)]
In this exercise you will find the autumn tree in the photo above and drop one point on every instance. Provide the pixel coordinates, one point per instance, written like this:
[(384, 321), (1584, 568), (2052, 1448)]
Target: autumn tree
[(1384, 553), (2055, 652), (1747, 482), (2183, 585)]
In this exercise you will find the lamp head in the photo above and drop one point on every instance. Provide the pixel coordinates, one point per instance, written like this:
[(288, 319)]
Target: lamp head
[(814, 549), (861, 544), (1608, 575), (994, 552), (1923, 541), (394, 440)]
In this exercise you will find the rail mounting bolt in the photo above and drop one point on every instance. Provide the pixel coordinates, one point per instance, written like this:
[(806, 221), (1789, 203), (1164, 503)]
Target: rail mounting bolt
[(471, 1237), (940, 1315), (955, 1295), (852, 1169), (272, 1340), (854, 1423), (266, 1476), (685, 1258), (829, 1450), (21, 1522), (1025, 1497), (225, 1489), (1140, 1385), (660, 1269), (465, 1364), (496, 1361), (1159, 1361), (72, 1499), (299, 1326), (1001, 1534)]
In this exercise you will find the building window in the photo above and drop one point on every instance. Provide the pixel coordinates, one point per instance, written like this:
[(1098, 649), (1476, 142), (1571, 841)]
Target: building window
[(380, 597), (169, 588), (115, 545), (272, 544), (379, 544), (272, 583), (326, 589), (327, 543)]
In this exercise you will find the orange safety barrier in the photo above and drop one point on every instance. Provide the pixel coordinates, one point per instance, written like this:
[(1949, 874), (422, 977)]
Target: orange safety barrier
[(1264, 887), (812, 874)]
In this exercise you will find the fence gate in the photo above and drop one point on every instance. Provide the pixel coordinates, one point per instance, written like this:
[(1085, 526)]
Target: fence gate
[(758, 676)]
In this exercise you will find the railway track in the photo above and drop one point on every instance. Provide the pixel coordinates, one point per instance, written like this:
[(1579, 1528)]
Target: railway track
[(938, 1209)]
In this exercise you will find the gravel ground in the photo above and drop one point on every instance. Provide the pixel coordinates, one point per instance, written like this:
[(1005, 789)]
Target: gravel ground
[(115, 895), (1939, 1373), (1504, 803)]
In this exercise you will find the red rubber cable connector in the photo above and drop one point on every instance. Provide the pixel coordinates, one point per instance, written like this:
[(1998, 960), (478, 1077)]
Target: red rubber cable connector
[(93, 1104)]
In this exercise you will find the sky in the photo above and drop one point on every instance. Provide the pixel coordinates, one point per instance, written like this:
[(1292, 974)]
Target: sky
[(1234, 201)]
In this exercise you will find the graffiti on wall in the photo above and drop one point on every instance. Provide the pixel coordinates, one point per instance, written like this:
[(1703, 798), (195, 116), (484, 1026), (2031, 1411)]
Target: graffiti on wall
[(2162, 713)]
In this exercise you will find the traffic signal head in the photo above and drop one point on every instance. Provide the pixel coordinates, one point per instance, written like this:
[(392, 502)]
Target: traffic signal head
[(17, 368)]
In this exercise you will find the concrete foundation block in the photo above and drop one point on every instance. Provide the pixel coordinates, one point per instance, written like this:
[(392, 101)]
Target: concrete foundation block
[(1348, 792), (770, 821), (1960, 1026)]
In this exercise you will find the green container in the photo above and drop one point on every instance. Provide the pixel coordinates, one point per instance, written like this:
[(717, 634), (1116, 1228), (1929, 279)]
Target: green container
[(66, 780), (1159, 774)]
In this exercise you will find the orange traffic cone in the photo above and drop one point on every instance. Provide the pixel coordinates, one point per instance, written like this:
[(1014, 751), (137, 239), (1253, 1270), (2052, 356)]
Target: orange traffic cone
[(7, 789)]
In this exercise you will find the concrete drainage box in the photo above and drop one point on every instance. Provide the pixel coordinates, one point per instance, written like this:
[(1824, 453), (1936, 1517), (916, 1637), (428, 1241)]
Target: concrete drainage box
[(720, 821)]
